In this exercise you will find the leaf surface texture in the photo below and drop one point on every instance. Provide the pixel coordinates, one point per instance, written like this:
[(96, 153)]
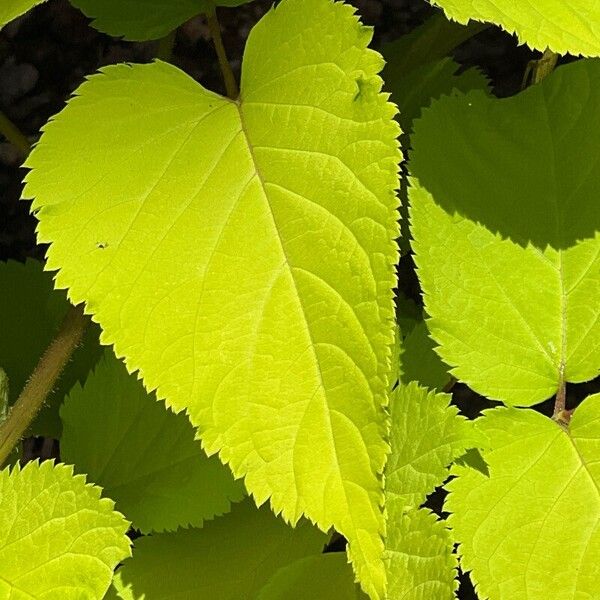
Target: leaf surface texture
[(58, 538), (506, 234), (564, 27), (539, 508), (249, 249)]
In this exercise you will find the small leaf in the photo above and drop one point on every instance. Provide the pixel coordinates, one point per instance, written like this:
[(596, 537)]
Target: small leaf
[(29, 319), (11, 9), (419, 558), (566, 27), (140, 20), (231, 558), (532, 528), (428, 43), (249, 247), (144, 456), (426, 435), (506, 234), (318, 577), (58, 538)]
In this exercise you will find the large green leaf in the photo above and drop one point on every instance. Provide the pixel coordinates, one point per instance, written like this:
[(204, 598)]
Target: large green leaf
[(241, 255), (506, 226), (318, 577), (140, 20), (58, 538), (144, 456), (30, 316), (531, 529), (564, 26), (231, 558), (11, 9)]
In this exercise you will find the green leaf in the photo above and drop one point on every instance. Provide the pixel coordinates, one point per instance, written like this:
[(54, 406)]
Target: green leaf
[(426, 435), (58, 538), (419, 362), (140, 20), (318, 577), (11, 9), (230, 558), (426, 44), (506, 229), (565, 27), (144, 456), (414, 91), (419, 558), (532, 528), (29, 319), (256, 292)]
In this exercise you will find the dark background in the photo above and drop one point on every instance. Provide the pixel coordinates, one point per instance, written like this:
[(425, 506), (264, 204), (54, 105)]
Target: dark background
[(46, 54)]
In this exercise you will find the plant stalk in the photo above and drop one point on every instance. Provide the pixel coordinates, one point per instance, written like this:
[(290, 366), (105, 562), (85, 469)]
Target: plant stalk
[(231, 85), (12, 133), (42, 381)]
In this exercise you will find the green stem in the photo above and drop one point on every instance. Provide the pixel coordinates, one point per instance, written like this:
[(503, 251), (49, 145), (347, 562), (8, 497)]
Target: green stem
[(228, 77), (538, 70), (42, 381), (12, 133)]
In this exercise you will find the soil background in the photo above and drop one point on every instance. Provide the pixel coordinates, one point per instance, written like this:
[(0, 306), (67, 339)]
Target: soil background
[(46, 54)]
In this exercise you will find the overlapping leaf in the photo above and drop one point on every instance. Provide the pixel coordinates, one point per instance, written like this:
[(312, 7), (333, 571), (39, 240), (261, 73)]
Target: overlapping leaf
[(249, 249), (427, 435), (145, 19), (231, 558), (571, 26), (426, 44), (58, 538), (30, 315), (419, 558), (318, 577), (144, 456), (415, 90), (539, 508), (506, 229), (11, 9)]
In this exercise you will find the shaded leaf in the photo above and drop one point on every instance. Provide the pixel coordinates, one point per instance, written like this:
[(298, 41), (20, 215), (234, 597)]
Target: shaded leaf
[(140, 20), (29, 319), (231, 558), (318, 577), (144, 456), (506, 229)]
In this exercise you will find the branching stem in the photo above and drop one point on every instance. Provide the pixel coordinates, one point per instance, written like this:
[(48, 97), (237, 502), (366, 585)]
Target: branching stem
[(42, 381), (215, 31), (12, 133)]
